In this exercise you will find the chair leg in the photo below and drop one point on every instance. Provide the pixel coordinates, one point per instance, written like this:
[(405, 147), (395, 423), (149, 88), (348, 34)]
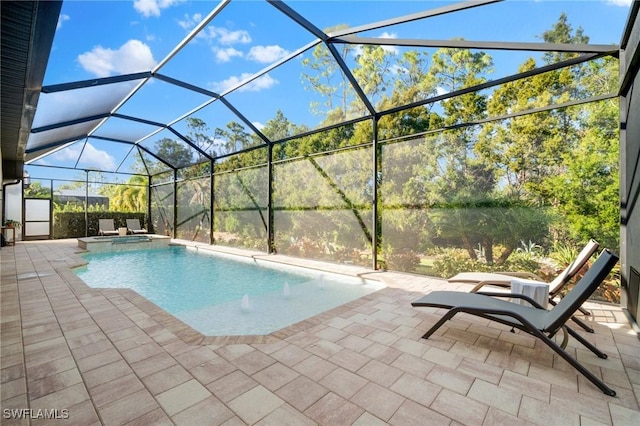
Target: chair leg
[(584, 311), (583, 325), (477, 287), (585, 343), (586, 373), (530, 328), (437, 325)]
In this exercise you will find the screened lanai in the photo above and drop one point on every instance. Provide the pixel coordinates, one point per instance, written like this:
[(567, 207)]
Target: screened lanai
[(420, 136)]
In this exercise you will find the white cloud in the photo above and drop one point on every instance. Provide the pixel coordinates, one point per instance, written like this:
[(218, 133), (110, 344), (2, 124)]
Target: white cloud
[(219, 36), (97, 158), (61, 19), (152, 7), (190, 21), (261, 83), (225, 36), (133, 56), (91, 157), (225, 55), (441, 91), (266, 54), (258, 125), (622, 3), (396, 69), (390, 49)]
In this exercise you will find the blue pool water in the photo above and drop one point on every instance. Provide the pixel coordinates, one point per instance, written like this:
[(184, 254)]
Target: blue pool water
[(219, 296)]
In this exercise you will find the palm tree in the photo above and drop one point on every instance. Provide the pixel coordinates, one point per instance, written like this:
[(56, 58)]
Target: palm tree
[(130, 197)]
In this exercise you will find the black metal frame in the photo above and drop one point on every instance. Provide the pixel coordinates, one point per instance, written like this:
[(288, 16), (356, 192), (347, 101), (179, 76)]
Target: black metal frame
[(330, 41)]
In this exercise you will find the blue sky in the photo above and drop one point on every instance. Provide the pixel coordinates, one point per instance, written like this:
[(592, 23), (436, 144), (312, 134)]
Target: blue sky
[(106, 38)]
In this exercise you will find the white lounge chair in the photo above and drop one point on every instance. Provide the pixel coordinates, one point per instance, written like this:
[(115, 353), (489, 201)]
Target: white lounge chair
[(106, 227), (503, 279), (133, 225)]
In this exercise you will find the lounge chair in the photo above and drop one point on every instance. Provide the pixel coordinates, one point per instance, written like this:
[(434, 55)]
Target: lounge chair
[(503, 279), (106, 227), (536, 321), (134, 227)]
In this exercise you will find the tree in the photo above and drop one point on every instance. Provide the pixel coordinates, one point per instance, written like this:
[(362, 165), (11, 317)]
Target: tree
[(373, 74), (199, 134), (529, 148), (129, 197), (566, 158), (587, 193), (173, 152), (455, 69), (326, 78), (36, 190), (414, 83), (487, 223), (562, 32)]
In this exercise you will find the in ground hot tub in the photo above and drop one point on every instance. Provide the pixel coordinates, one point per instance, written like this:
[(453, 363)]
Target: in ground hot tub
[(125, 242)]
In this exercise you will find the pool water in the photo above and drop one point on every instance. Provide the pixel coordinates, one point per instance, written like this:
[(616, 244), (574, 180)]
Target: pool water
[(219, 296)]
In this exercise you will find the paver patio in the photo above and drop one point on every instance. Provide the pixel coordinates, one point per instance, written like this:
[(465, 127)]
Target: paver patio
[(91, 356)]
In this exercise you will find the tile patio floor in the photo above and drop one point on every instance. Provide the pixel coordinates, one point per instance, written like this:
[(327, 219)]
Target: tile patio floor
[(111, 357)]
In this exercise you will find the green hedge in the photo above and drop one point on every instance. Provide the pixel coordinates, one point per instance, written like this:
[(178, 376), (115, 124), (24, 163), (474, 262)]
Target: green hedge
[(72, 224)]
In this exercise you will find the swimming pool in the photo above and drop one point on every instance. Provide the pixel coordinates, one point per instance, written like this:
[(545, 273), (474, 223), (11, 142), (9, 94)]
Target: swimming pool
[(218, 296)]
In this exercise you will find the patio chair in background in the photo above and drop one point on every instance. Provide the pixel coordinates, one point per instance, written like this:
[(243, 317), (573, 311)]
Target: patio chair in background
[(106, 227), (134, 227), (536, 321), (503, 279)]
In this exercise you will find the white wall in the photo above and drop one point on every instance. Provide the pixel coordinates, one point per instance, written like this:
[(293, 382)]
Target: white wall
[(13, 205)]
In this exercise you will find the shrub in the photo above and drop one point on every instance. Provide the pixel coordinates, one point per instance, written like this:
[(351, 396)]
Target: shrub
[(453, 261), (522, 261), (70, 224), (405, 260)]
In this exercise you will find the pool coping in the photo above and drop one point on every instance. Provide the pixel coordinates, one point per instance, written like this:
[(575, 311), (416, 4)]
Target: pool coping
[(115, 243), (191, 336)]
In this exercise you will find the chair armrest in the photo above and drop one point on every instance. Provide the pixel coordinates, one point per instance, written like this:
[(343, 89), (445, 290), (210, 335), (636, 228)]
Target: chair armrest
[(513, 296), (522, 274)]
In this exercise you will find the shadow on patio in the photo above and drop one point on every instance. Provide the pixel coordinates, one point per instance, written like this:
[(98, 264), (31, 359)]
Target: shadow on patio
[(108, 356)]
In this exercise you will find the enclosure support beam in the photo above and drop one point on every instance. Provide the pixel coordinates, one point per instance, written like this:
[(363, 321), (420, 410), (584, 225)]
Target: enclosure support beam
[(270, 243), (86, 204), (175, 203), (375, 224), (149, 221), (50, 208), (212, 240)]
